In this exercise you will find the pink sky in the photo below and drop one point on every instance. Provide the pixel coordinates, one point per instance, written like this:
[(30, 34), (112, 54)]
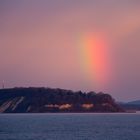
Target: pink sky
[(40, 45)]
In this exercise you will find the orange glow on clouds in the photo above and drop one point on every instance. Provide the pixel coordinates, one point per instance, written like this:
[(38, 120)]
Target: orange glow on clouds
[(94, 48)]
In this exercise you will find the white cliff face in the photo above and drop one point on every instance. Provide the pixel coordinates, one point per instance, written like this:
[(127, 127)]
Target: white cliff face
[(17, 103), (5, 106), (87, 106), (13, 103), (61, 107)]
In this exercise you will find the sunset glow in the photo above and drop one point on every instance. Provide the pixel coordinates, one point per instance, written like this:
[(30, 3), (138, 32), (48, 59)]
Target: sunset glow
[(86, 45)]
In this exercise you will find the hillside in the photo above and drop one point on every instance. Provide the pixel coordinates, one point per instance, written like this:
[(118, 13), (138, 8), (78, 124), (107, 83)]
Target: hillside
[(137, 102), (40, 100), (133, 105)]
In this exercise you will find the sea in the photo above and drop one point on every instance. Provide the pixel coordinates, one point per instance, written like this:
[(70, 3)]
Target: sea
[(70, 126)]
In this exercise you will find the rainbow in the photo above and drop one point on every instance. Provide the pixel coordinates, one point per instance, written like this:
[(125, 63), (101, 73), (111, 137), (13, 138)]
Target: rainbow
[(94, 55)]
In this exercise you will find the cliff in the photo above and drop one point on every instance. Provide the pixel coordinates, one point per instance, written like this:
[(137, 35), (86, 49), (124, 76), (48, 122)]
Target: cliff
[(40, 100)]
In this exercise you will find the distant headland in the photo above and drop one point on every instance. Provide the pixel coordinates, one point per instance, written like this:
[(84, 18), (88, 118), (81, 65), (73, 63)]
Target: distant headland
[(45, 100)]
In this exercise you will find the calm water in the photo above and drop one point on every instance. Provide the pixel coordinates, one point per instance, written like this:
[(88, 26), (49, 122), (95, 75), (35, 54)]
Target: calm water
[(70, 126)]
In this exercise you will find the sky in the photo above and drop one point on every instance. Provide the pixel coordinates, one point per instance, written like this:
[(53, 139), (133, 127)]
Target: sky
[(88, 45)]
